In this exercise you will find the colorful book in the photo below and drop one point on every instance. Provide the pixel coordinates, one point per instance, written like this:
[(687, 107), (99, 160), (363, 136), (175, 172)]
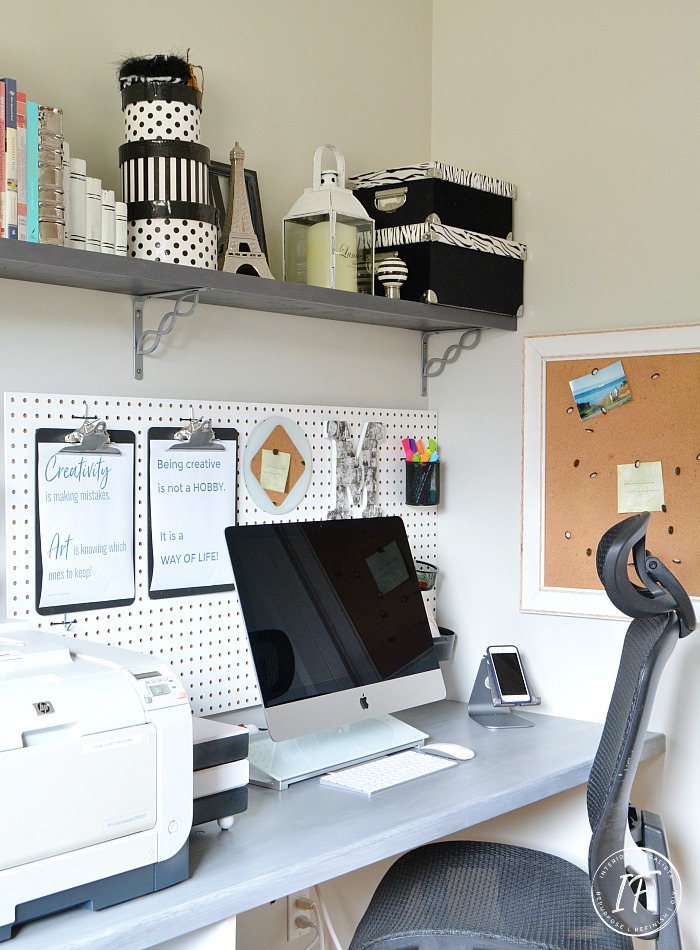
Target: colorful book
[(10, 208), (32, 171), (2, 155), (22, 166)]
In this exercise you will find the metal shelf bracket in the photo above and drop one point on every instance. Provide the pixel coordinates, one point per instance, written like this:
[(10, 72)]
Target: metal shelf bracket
[(433, 366), (166, 325)]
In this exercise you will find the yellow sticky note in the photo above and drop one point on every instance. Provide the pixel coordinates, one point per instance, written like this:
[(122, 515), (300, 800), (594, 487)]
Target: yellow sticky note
[(640, 487), (274, 470)]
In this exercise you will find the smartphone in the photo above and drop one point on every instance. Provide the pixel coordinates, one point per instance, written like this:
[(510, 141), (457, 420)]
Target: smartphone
[(507, 674)]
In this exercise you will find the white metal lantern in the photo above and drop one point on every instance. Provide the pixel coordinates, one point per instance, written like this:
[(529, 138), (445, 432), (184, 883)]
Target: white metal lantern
[(328, 237)]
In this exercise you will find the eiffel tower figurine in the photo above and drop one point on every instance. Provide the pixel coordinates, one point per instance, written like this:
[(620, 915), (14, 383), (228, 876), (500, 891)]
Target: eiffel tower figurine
[(242, 252)]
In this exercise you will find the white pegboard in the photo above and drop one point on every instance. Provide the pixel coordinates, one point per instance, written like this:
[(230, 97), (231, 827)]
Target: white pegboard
[(203, 637)]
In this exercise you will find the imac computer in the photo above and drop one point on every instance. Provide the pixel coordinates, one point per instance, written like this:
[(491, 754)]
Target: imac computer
[(340, 639)]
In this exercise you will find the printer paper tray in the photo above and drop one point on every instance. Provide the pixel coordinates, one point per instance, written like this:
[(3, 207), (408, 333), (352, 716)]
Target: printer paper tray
[(69, 794)]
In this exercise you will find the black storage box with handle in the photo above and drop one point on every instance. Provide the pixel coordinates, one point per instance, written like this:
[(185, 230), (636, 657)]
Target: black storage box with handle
[(444, 193), (456, 267)]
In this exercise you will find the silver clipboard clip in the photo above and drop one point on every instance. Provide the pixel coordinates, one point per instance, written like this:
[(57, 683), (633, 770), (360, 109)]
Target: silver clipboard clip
[(91, 437), (197, 434)]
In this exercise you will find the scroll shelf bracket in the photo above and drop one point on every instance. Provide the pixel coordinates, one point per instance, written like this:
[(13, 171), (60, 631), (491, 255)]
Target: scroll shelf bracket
[(433, 366), (146, 341)]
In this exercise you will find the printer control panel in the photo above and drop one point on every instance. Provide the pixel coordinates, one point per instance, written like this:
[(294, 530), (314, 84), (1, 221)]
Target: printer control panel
[(157, 689)]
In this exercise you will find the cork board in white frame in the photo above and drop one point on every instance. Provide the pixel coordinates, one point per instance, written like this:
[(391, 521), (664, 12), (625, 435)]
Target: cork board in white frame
[(538, 352)]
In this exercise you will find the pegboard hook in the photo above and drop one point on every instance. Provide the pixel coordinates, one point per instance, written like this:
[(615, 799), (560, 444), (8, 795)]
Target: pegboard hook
[(85, 417), (65, 622)]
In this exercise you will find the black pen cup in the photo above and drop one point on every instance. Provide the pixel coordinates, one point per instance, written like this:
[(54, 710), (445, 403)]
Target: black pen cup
[(422, 483)]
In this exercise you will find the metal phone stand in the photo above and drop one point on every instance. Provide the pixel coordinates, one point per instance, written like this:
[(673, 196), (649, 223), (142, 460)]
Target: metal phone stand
[(485, 707)]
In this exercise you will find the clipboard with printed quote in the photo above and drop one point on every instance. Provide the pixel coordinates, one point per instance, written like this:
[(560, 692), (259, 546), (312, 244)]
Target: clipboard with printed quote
[(84, 497), (192, 482)]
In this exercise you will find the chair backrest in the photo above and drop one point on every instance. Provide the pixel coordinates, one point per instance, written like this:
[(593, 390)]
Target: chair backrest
[(663, 613)]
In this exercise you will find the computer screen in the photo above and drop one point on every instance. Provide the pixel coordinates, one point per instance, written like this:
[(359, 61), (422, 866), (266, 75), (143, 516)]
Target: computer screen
[(336, 621)]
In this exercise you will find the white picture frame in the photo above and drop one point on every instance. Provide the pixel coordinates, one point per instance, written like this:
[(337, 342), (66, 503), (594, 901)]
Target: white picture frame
[(537, 352)]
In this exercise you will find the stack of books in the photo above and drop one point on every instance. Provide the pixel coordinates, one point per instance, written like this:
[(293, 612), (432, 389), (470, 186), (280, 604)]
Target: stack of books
[(36, 183), (19, 173)]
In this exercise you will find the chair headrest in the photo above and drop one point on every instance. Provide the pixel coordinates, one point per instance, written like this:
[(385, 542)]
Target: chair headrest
[(662, 592)]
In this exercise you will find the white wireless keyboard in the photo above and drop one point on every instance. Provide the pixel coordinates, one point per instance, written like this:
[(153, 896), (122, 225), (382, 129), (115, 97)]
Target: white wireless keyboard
[(386, 772)]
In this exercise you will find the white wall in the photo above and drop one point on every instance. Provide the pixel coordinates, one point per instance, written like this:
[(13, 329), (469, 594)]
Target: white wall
[(590, 108)]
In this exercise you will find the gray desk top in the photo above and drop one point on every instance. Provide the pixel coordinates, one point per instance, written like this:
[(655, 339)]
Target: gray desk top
[(290, 840)]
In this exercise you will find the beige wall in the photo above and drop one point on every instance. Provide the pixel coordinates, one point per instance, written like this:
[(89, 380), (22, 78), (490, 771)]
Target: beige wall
[(589, 107), (281, 78)]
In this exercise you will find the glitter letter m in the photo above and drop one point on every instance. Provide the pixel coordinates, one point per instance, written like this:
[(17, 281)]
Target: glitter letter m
[(352, 474)]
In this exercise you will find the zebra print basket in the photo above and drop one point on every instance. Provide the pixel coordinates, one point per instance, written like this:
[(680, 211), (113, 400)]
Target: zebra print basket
[(456, 267), (438, 170), (436, 192)]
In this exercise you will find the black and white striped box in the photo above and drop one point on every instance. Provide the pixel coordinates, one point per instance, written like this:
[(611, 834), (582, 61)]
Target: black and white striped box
[(165, 176), (164, 170)]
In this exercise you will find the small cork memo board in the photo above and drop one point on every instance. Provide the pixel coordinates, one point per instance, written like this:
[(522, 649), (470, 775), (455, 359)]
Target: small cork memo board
[(279, 441), (661, 423)]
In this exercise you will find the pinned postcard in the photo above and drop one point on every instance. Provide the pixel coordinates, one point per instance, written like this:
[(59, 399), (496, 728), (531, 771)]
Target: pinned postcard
[(640, 487), (600, 391)]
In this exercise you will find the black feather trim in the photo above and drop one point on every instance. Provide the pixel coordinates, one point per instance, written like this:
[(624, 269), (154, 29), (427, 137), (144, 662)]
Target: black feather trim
[(165, 68)]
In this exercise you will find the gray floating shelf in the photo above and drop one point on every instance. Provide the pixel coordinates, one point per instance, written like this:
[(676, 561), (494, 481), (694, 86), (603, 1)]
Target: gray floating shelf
[(62, 266)]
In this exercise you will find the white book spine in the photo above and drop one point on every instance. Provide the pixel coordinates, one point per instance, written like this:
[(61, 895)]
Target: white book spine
[(93, 190), (78, 203), (120, 241), (108, 238)]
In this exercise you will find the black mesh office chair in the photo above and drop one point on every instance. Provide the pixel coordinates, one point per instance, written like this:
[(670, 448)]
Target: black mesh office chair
[(484, 896)]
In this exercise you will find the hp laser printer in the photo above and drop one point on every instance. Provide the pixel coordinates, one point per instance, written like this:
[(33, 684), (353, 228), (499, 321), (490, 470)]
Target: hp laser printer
[(95, 775)]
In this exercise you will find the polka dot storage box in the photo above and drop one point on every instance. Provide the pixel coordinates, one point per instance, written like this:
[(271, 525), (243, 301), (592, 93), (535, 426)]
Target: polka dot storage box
[(177, 232), (164, 168), (161, 110)]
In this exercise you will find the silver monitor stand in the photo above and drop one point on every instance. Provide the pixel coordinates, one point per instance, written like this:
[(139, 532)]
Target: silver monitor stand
[(278, 764)]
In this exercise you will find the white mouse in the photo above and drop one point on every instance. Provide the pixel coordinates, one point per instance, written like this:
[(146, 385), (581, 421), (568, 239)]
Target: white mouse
[(449, 749)]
